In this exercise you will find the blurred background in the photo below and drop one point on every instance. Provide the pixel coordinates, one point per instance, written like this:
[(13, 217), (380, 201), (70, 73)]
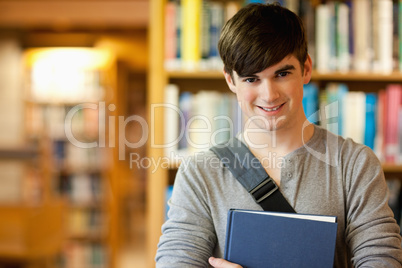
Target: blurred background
[(69, 71)]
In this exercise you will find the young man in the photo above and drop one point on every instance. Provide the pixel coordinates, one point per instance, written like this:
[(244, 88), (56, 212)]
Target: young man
[(264, 52)]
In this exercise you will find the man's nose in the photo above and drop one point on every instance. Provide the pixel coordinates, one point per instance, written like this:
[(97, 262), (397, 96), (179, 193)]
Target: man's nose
[(269, 91)]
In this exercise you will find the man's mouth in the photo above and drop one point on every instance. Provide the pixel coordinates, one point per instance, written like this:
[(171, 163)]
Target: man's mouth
[(271, 109)]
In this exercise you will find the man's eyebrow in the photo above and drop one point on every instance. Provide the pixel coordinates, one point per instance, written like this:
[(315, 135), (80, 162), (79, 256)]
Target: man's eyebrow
[(248, 75), (287, 67)]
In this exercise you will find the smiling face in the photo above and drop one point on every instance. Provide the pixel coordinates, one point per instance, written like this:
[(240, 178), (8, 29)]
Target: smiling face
[(272, 98)]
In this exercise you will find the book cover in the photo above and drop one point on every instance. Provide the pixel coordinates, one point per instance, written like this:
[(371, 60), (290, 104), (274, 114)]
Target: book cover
[(257, 239)]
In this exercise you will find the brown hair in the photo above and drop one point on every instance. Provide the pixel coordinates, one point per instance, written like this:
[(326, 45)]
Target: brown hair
[(259, 36)]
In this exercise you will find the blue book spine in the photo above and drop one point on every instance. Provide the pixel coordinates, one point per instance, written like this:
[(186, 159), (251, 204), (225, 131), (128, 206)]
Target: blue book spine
[(168, 195), (342, 91), (310, 102), (370, 126)]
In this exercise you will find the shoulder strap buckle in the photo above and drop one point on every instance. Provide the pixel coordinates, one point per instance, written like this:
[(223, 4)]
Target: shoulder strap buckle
[(264, 189)]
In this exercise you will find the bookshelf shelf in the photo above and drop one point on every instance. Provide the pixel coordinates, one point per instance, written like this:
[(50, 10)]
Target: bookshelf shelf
[(211, 74), (358, 76), (316, 76), (19, 153), (392, 168)]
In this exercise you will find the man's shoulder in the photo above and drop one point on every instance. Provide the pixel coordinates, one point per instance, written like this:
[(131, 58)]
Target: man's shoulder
[(345, 146), (203, 160)]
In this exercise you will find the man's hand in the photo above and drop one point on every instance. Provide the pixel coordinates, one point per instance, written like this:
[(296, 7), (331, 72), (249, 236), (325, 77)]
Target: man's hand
[(221, 263)]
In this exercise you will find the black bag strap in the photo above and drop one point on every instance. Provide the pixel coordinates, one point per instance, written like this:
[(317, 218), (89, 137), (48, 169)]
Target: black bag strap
[(247, 169)]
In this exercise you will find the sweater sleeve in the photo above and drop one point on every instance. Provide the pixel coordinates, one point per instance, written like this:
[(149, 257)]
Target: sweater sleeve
[(372, 233), (188, 236)]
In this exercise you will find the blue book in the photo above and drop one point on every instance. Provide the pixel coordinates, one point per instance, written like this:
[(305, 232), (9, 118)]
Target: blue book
[(370, 126), (168, 195), (310, 102), (256, 239)]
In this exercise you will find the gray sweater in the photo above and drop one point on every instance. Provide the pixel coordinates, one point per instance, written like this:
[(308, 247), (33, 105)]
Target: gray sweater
[(328, 175)]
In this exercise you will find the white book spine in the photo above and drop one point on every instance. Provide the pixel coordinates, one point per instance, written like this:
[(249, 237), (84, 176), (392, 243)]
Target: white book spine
[(343, 38), (322, 38), (361, 29), (171, 120), (385, 35)]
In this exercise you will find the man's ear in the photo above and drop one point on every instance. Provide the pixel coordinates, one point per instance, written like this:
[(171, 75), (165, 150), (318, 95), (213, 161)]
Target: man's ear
[(308, 69), (229, 81)]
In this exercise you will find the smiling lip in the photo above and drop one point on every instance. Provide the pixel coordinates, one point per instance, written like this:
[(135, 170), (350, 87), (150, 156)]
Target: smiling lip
[(271, 109)]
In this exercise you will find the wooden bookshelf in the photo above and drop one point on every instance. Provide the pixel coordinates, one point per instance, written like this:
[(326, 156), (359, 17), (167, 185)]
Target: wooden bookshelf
[(80, 175), (32, 233), (159, 77)]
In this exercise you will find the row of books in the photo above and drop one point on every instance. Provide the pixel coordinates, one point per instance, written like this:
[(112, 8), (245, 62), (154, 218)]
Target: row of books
[(361, 35), (21, 182), (192, 30), (79, 122), (84, 255), (196, 121), (71, 158), (373, 119), (86, 222), (82, 189)]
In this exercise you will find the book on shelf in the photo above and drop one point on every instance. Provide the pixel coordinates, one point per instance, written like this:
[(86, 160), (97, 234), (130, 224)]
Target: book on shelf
[(172, 18), (84, 254), (362, 28), (172, 117), (202, 119), (342, 36), (399, 33), (370, 120), (192, 30), (322, 38), (360, 35), (275, 239), (86, 222), (393, 103), (310, 102), (191, 18), (334, 111), (386, 36), (168, 195)]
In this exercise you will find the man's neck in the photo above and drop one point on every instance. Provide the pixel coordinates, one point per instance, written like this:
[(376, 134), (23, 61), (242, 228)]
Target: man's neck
[(281, 142)]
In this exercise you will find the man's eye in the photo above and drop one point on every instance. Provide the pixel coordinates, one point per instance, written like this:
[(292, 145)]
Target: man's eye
[(250, 80), (283, 74)]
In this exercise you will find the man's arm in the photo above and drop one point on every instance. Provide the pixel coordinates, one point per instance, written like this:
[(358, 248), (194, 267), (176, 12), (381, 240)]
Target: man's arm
[(188, 237), (372, 233)]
